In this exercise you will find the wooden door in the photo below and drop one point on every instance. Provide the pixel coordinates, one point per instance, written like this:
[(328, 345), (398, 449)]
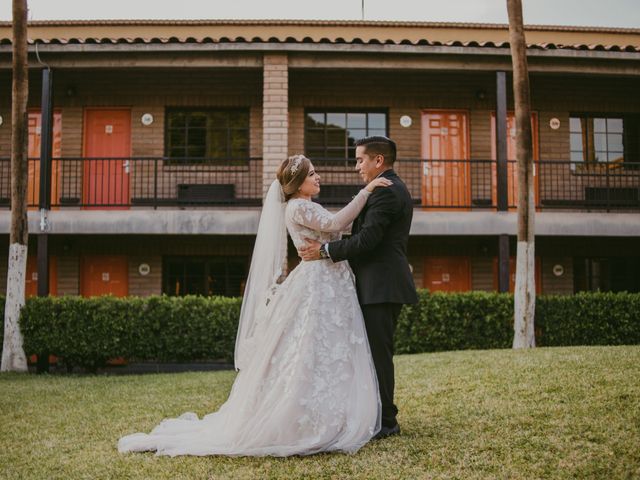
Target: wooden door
[(512, 274), (35, 126), (447, 274), (512, 176), (104, 275), (107, 146), (31, 282), (446, 173)]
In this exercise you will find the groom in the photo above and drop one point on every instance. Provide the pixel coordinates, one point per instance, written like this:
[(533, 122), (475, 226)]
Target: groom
[(377, 253)]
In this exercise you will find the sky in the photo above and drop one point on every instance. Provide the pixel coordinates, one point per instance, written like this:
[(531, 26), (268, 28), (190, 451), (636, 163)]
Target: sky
[(610, 13)]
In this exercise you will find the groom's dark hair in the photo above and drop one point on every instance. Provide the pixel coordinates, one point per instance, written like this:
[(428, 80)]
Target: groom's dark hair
[(379, 145)]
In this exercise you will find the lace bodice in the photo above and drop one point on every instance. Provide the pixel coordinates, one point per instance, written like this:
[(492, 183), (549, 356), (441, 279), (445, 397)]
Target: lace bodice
[(307, 219)]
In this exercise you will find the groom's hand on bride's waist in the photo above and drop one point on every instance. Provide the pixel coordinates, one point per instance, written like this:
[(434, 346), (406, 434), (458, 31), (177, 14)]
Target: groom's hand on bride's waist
[(310, 250)]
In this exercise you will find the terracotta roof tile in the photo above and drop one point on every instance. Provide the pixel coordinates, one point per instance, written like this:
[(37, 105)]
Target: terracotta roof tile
[(326, 40), (345, 23), (336, 32)]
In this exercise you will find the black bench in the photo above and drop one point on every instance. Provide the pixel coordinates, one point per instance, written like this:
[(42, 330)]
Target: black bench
[(612, 196), (206, 193), (337, 194)]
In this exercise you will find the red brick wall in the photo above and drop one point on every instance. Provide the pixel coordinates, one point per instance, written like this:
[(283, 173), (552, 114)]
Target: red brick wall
[(402, 93), (409, 93), (144, 285), (68, 275), (562, 285), (139, 249), (145, 91)]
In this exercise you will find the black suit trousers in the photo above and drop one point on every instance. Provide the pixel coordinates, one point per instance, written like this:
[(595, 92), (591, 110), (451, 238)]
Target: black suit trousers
[(380, 321)]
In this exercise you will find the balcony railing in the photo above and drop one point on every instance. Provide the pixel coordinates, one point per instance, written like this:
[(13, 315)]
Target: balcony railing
[(143, 182), (471, 184), (609, 186), (447, 185)]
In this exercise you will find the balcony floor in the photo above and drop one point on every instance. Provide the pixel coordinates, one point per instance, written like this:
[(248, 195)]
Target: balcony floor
[(244, 221)]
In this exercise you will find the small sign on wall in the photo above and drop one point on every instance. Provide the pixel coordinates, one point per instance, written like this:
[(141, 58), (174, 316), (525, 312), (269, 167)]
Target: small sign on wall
[(108, 129), (558, 270), (105, 276), (144, 269), (146, 119), (405, 121)]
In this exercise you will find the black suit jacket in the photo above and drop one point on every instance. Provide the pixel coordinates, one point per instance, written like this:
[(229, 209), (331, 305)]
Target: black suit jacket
[(377, 248)]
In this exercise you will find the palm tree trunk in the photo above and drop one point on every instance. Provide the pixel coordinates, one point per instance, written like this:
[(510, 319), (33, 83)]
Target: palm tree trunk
[(525, 292), (13, 356)]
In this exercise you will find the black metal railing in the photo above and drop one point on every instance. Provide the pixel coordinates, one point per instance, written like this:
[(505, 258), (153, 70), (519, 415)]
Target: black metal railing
[(471, 184), (608, 186), (435, 184), (143, 181), (450, 185)]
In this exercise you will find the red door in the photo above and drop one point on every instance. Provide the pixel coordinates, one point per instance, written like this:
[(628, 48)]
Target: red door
[(447, 274), (512, 178), (104, 275), (107, 145), (33, 189), (31, 282), (445, 137)]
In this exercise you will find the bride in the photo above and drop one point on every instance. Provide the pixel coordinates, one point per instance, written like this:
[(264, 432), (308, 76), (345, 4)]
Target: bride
[(306, 380)]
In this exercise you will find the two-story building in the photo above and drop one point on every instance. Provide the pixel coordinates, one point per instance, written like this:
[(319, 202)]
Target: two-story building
[(166, 134)]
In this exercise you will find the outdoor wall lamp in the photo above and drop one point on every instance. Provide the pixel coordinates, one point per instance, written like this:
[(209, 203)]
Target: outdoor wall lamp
[(481, 94)]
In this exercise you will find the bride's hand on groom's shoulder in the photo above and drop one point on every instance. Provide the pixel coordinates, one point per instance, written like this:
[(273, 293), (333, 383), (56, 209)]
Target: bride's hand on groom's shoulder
[(378, 182), (310, 250)]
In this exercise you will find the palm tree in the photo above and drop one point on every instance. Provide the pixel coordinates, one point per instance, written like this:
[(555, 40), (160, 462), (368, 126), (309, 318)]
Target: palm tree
[(13, 356), (525, 291)]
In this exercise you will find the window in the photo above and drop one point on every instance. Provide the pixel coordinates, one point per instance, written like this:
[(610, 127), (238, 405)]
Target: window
[(200, 136), (330, 135), (605, 139), (607, 274), (205, 276)]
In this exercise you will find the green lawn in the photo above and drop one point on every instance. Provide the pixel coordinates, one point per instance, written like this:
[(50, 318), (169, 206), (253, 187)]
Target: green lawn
[(546, 413)]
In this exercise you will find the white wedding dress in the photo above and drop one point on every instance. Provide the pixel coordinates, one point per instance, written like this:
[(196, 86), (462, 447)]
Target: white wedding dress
[(309, 385)]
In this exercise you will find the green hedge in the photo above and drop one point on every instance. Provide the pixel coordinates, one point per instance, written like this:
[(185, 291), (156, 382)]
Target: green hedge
[(88, 331), (455, 321), (2, 322), (479, 320), (589, 319)]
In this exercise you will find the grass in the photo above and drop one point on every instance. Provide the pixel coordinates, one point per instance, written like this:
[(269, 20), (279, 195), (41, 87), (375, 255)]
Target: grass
[(546, 413)]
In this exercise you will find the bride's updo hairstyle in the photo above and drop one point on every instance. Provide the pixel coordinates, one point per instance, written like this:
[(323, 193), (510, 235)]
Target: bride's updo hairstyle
[(292, 173)]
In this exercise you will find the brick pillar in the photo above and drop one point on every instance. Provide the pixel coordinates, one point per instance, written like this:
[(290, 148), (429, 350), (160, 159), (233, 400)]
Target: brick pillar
[(275, 110)]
